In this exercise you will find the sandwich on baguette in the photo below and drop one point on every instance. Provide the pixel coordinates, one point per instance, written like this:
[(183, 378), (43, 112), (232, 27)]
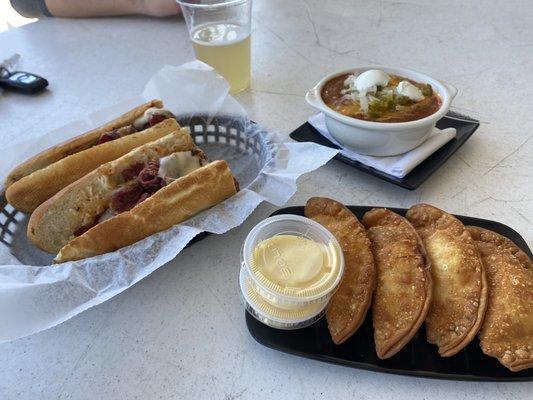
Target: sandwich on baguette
[(45, 174), (146, 191)]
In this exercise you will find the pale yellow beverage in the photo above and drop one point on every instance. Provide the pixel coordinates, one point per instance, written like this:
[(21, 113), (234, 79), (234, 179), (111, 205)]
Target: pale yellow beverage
[(226, 47)]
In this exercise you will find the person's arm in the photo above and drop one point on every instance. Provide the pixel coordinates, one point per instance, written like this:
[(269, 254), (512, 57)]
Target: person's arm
[(95, 8), (101, 8)]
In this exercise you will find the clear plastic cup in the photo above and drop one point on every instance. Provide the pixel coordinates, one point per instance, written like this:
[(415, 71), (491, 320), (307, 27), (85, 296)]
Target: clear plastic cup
[(220, 31), (273, 316), (300, 301)]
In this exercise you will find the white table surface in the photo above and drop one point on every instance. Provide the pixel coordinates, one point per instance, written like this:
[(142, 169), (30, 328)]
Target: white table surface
[(180, 333)]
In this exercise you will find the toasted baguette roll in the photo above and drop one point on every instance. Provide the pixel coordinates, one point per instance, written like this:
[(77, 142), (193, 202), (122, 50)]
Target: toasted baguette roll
[(76, 144), (53, 223), (175, 203), (32, 190)]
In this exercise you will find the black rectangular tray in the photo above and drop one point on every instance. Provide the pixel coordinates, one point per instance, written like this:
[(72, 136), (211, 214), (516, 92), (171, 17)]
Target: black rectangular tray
[(464, 125), (417, 358)]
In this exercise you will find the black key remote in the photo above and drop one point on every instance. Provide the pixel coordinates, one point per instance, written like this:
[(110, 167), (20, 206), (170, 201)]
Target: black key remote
[(20, 81)]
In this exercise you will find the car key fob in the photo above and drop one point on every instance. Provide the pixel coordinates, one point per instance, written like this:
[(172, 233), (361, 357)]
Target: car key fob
[(20, 81)]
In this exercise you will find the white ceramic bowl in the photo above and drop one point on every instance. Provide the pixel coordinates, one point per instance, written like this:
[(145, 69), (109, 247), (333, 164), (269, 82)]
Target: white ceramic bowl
[(381, 138)]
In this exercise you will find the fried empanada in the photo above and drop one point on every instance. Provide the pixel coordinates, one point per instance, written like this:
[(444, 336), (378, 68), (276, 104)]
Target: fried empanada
[(507, 332), (404, 286), (460, 285), (348, 307)]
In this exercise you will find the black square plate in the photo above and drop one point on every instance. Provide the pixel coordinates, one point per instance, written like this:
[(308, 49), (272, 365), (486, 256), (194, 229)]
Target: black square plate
[(465, 127), (417, 358)]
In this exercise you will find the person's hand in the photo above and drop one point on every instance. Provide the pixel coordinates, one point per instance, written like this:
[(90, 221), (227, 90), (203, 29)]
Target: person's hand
[(158, 8)]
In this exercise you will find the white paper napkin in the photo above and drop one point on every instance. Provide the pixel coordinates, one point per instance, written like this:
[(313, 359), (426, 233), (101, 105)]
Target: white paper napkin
[(397, 166)]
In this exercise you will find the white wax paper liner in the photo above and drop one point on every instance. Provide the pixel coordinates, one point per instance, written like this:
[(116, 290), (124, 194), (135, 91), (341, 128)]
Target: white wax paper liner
[(34, 298)]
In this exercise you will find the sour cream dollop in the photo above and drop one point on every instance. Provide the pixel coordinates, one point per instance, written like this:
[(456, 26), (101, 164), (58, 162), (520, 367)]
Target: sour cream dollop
[(357, 87), (407, 89), (368, 81)]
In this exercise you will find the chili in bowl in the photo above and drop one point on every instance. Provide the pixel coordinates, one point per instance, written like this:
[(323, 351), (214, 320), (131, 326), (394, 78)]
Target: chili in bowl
[(381, 111)]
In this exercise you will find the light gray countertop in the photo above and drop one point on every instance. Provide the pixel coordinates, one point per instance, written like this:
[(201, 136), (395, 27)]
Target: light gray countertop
[(180, 333)]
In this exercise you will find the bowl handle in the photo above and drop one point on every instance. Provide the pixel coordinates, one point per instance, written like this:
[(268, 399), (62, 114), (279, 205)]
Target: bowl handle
[(313, 99), (452, 90)]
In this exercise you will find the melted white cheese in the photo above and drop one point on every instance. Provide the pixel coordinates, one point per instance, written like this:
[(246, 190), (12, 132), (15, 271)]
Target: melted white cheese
[(178, 164), (140, 122)]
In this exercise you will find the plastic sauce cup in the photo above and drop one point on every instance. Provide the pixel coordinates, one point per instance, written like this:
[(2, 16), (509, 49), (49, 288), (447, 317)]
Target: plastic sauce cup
[(297, 292)]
